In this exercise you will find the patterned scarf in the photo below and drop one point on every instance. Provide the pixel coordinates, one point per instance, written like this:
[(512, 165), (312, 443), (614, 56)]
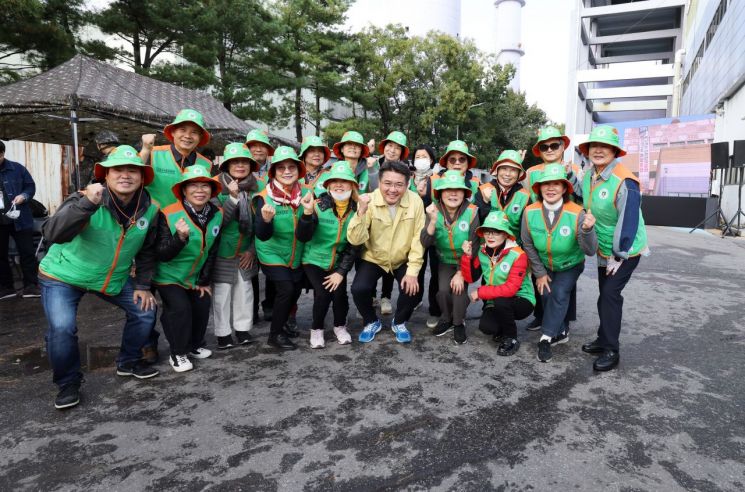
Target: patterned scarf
[(201, 216), (278, 195)]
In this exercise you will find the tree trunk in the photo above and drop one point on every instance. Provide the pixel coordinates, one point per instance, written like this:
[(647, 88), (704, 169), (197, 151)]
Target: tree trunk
[(299, 114), (136, 51)]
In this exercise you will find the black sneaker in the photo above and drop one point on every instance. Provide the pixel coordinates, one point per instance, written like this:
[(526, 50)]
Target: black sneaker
[(139, 369), (534, 325), (291, 327), (7, 293), (244, 337), (442, 328), (560, 338), (459, 334), (508, 347), (224, 343), (31, 291), (544, 351), (68, 396)]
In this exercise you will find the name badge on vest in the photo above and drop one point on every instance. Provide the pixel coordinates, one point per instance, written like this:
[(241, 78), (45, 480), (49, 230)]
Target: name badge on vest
[(564, 231), (215, 231), (603, 194), (505, 267), (142, 223)]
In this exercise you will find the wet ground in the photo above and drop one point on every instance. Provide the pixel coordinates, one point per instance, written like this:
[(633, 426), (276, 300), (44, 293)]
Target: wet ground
[(430, 415)]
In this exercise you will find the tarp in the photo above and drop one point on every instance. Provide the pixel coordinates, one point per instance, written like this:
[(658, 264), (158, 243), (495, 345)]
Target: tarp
[(105, 97)]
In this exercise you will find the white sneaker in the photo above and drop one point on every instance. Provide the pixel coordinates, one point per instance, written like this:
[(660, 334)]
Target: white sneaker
[(342, 335), (181, 363), (316, 339), (385, 306), (201, 353), (432, 321)]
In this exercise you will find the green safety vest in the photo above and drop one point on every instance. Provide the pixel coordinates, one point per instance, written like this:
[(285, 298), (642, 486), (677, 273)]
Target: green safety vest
[(329, 239), (513, 209), (449, 240), (558, 248), (184, 269), (363, 180), (282, 249), (100, 257), (497, 274), (168, 173), (601, 201), (473, 184), (232, 241)]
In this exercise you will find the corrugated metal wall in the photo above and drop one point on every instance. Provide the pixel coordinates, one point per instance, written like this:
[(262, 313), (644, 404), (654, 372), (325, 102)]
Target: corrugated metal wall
[(49, 165)]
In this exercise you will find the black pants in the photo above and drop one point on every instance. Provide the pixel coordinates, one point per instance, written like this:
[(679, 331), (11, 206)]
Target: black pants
[(500, 314), (387, 287), (363, 291), (184, 318), (25, 245), (322, 298), (287, 284), (610, 302), (434, 262), (257, 296)]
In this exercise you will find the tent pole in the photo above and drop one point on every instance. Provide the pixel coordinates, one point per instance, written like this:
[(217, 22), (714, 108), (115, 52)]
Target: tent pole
[(74, 121)]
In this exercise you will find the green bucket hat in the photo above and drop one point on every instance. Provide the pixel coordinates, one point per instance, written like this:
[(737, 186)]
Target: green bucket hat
[(495, 220), (237, 150), (457, 146), (315, 141), (193, 174), (451, 180), (340, 170), (123, 155), (547, 133), (552, 172), (259, 136), (188, 116), (605, 134), (509, 158), (397, 138), (353, 137), (285, 153)]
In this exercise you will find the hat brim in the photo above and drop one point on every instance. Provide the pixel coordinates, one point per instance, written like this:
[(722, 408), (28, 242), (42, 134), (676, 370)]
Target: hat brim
[(216, 186), (329, 179), (466, 189), (480, 231), (224, 164), (269, 152), (584, 148), (537, 152), (444, 159), (338, 145), (204, 139), (404, 151), (300, 168), (326, 152), (99, 171), (537, 186), (512, 164)]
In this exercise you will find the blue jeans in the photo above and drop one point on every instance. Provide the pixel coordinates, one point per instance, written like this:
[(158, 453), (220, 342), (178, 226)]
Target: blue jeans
[(556, 302), (60, 301)]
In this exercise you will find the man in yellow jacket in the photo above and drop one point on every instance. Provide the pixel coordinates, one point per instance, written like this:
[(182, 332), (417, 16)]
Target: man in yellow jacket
[(388, 223)]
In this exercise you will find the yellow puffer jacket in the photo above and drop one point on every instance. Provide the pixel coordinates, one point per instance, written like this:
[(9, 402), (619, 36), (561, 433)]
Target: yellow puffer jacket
[(389, 243)]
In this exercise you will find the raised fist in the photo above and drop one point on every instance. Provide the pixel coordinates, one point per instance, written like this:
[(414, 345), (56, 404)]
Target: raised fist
[(267, 212), (148, 140), (362, 204), (307, 203), (371, 146), (233, 188), (94, 192), (486, 193), (182, 229), (589, 221), (432, 212), (467, 248)]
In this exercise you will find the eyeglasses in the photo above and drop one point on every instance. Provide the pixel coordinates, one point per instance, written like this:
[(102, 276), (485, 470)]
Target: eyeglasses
[(492, 232), (389, 184), (459, 160), (546, 147)]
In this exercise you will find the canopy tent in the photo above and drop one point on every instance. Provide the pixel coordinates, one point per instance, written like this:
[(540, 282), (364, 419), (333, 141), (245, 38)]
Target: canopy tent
[(70, 103)]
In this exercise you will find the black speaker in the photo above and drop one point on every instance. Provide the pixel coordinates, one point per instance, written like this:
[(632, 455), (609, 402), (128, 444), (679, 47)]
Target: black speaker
[(720, 155), (738, 154)]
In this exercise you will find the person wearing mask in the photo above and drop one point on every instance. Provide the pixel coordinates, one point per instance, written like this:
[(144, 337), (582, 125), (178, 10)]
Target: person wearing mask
[(236, 263), (506, 193), (557, 234), (611, 193), (456, 158), (314, 154), (424, 162), (95, 236), (388, 222), (506, 290), (450, 221), (327, 255), (17, 188), (277, 210)]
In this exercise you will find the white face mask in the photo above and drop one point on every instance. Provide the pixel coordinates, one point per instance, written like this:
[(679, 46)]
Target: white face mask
[(422, 164), (13, 213), (343, 196)]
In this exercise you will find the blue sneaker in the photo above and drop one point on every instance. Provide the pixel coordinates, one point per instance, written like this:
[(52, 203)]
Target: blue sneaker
[(402, 334), (369, 331)]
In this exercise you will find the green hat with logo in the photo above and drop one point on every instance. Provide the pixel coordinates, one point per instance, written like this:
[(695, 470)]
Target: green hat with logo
[(351, 137), (194, 174), (237, 150), (188, 116), (315, 141), (509, 158), (457, 146), (285, 153), (397, 138), (124, 155), (604, 134), (451, 180), (259, 136), (549, 133), (495, 220), (341, 170), (552, 172)]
